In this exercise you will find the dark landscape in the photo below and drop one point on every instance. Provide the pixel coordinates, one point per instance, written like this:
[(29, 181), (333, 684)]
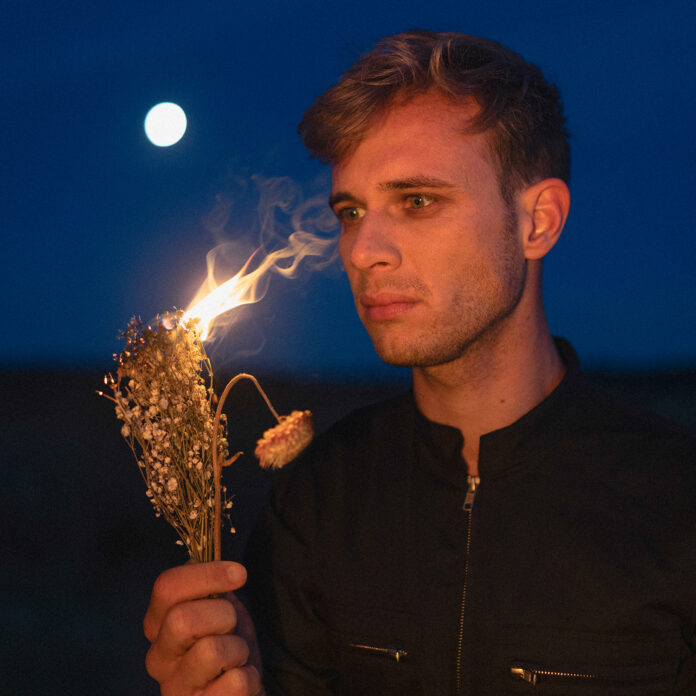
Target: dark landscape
[(82, 546)]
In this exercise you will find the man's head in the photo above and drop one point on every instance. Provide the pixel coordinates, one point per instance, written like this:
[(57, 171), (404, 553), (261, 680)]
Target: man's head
[(520, 111), (448, 180)]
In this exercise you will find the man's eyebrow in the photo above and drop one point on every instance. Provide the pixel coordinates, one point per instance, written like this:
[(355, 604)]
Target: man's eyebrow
[(340, 197), (411, 182), (415, 182)]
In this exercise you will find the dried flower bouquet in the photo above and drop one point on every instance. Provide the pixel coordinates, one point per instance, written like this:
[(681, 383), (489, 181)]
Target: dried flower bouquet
[(163, 393)]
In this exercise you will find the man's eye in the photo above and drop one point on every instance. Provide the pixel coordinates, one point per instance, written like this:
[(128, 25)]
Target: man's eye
[(349, 214), (419, 200)]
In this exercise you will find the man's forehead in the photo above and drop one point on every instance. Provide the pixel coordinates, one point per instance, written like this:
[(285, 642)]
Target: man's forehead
[(413, 167), (402, 130)]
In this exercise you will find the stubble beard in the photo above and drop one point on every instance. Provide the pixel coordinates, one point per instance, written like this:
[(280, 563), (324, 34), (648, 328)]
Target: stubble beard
[(472, 321)]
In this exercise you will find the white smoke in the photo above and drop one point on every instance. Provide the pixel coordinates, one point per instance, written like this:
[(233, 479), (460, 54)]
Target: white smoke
[(292, 236)]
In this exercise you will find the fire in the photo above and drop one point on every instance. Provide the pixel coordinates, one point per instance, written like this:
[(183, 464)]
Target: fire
[(234, 292), (213, 300)]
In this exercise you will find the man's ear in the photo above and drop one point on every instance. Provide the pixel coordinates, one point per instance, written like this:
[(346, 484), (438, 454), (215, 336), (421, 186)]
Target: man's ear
[(543, 212)]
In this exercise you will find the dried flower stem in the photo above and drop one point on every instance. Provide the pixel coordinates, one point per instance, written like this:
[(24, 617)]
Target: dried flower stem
[(217, 464)]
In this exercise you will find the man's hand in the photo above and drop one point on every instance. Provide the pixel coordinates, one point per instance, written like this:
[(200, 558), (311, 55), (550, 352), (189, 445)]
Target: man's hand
[(201, 646)]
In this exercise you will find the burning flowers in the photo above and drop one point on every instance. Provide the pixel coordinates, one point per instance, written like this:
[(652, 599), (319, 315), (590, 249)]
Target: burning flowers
[(163, 393)]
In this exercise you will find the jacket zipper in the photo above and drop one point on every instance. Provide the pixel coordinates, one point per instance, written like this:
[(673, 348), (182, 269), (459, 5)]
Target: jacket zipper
[(472, 485), (532, 675), (396, 653), (535, 675)]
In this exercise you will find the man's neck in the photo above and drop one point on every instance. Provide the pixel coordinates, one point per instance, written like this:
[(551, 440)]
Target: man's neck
[(489, 387)]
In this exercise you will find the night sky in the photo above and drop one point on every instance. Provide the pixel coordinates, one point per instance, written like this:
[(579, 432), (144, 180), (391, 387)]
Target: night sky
[(98, 224)]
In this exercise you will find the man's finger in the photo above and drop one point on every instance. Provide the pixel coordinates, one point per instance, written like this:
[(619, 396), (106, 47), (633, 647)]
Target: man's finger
[(242, 681), (188, 621), (188, 582), (208, 658)]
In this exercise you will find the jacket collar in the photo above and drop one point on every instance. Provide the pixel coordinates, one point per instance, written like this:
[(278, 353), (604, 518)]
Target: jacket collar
[(505, 448)]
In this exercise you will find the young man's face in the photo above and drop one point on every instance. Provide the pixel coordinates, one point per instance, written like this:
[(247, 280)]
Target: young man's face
[(424, 234)]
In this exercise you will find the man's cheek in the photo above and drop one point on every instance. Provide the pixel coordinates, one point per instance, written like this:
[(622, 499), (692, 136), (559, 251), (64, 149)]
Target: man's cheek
[(344, 252), (351, 273)]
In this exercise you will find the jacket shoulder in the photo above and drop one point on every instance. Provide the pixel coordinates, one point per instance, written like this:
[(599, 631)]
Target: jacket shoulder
[(600, 409), (630, 448)]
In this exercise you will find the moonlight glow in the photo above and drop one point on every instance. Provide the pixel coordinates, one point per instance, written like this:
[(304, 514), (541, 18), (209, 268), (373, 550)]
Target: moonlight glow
[(165, 124)]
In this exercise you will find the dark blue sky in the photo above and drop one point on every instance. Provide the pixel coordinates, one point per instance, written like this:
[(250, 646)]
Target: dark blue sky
[(97, 224)]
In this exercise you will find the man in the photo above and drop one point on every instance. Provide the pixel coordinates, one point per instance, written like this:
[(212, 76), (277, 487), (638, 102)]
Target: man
[(506, 526)]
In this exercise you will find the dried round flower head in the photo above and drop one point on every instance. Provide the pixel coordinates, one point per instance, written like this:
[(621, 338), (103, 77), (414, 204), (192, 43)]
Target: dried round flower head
[(282, 443)]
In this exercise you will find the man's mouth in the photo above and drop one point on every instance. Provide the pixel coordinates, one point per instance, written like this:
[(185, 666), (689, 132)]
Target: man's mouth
[(382, 306)]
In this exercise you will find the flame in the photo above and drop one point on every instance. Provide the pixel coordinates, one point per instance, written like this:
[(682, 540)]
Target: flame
[(243, 287)]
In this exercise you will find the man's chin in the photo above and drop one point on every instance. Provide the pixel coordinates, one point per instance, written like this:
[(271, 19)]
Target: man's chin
[(397, 355), (396, 361), (390, 355), (404, 349), (416, 354)]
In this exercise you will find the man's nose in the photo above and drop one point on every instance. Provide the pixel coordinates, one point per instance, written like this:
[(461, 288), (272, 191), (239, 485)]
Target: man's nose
[(373, 245)]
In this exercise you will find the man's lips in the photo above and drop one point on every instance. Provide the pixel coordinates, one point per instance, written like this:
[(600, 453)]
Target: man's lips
[(386, 305)]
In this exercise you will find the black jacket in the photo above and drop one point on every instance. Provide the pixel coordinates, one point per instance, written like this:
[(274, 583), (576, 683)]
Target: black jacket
[(573, 572)]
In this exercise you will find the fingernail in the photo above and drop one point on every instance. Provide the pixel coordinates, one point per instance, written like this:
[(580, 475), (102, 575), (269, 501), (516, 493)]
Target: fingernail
[(237, 574)]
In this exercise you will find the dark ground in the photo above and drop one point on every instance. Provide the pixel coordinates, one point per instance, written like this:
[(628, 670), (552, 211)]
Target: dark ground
[(81, 546)]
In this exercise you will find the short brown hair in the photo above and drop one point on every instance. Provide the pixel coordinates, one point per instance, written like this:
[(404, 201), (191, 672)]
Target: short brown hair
[(517, 104)]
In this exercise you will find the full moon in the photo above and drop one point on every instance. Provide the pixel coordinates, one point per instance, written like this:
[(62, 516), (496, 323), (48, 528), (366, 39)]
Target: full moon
[(165, 124)]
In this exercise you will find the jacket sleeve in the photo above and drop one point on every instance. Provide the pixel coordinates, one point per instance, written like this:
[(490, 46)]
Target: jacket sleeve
[(282, 593)]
